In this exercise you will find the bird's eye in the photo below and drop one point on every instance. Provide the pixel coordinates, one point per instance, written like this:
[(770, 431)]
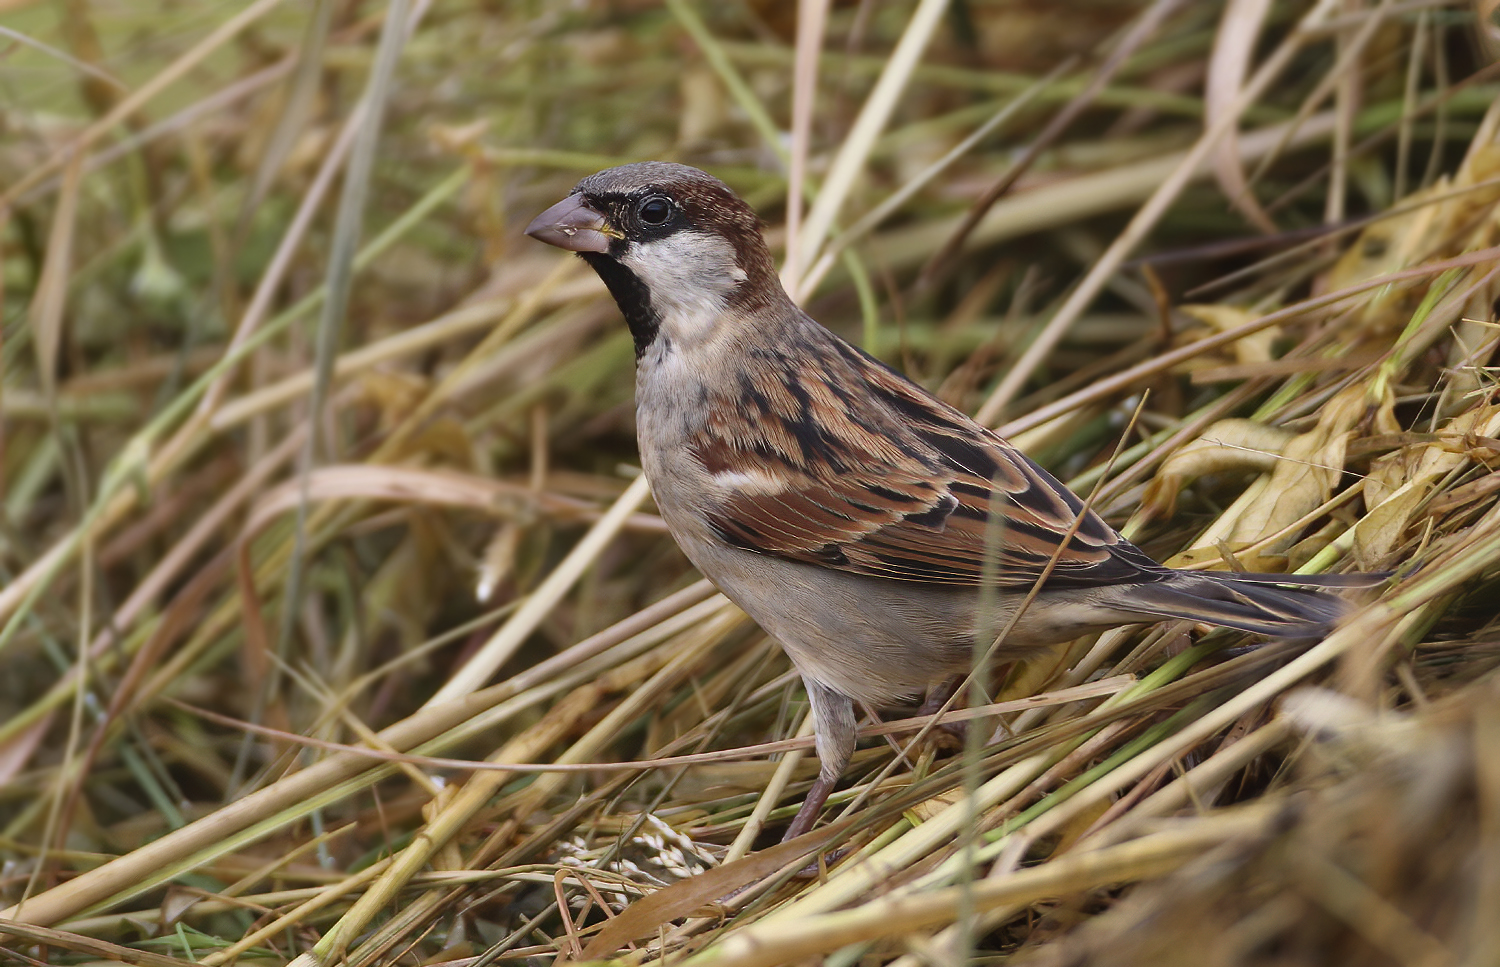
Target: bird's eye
[(654, 210)]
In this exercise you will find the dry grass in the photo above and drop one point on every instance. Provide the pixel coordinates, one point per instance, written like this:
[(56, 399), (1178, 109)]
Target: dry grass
[(334, 627)]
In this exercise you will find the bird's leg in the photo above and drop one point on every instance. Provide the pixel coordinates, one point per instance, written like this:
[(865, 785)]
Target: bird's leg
[(811, 807), (937, 697), (833, 726)]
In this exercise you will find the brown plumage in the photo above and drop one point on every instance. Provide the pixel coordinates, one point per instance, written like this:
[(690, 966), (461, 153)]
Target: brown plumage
[(848, 511)]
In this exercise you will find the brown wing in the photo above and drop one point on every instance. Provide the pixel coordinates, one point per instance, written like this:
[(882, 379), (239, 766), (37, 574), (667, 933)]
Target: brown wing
[(892, 483)]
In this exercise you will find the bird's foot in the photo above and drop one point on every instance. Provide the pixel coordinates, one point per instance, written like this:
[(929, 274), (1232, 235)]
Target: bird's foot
[(947, 735)]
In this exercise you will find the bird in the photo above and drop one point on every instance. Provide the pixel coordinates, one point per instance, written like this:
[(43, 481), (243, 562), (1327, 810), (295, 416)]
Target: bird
[(870, 528)]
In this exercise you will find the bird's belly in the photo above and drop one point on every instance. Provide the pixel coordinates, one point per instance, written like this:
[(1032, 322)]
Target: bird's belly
[(876, 641)]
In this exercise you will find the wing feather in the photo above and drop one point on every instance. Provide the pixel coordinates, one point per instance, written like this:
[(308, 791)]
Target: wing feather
[(893, 483)]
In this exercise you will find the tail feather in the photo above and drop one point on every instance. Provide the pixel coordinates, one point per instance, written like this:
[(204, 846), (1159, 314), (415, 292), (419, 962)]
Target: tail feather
[(1363, 579), (1279, 605)]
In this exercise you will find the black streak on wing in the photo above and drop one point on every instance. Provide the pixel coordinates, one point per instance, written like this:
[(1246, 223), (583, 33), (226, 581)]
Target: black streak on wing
[(965, 455), (833, 554), (937, 515), (896, 496), (755, 396)]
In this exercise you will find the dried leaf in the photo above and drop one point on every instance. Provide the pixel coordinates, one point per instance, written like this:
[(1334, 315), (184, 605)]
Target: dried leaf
[(1212, 559), (1228, 66), (1304, 477), (1254, 348), (1228, 445), (1399, 483)]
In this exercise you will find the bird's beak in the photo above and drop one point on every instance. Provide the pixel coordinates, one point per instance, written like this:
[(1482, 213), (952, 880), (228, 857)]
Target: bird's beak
[(571, 224)]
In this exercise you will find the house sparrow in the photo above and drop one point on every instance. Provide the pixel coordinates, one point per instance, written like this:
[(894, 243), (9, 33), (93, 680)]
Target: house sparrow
[(843, 507)]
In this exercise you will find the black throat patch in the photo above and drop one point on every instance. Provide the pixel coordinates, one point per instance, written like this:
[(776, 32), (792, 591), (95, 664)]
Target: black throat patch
[(631, 295)]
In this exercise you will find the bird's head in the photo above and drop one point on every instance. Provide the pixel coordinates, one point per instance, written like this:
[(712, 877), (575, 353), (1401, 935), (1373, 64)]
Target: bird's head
[(681, 253)]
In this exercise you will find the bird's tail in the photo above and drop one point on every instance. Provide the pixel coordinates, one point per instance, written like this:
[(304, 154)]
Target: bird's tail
[(1279, 605)]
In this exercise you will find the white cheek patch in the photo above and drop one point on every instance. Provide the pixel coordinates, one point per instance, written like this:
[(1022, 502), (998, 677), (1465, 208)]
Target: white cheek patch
[(690, 276)]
